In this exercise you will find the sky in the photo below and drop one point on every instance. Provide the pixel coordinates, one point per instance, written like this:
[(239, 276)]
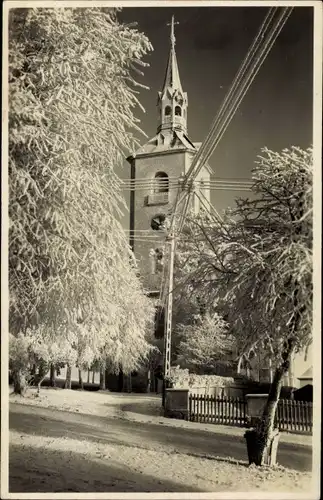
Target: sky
[(211, 43)]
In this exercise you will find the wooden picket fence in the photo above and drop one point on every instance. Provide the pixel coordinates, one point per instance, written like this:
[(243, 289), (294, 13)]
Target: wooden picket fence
[(294, 416), (291, 415), (217, 410)]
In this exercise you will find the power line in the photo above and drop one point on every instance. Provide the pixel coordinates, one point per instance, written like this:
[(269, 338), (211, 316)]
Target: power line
[(227, 187), (214, 136), (209, 206), (236, 82), (143, 180), (261, 58), (177, 179)]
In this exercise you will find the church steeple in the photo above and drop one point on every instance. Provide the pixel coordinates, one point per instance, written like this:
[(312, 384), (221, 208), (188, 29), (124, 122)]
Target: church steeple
[(172, 101)]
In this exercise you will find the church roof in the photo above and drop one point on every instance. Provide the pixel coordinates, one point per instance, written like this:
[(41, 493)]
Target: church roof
[(166, 143)]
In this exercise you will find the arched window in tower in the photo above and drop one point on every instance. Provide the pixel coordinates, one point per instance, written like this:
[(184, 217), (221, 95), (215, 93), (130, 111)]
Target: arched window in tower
[(161, 182), (168, 110), (178, 111)]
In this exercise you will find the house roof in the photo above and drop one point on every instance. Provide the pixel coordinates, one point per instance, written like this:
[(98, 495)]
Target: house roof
[(307, 374)]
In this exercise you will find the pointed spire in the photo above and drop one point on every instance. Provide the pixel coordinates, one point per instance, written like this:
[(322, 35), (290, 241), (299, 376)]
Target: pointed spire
[(172, 101), (172, 79)]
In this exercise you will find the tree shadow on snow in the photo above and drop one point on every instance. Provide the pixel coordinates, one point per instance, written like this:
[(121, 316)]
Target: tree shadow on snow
[(50, 471)]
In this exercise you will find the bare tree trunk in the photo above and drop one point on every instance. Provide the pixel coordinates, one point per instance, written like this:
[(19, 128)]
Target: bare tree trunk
[(81, 380), (120, 381), (33, 373), (149, 381), (270, 371), (19, 382), (102, 377), (42, 372), (52, 376), (68, 379), (265, 428), (129, 377), (239, 365), (93, 377), (88, 376), (40, 381)]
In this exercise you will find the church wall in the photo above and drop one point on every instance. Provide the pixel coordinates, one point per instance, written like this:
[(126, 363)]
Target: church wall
[(172, 164)]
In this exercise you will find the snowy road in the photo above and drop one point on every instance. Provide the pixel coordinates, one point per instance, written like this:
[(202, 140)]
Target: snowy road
[(149, 450)]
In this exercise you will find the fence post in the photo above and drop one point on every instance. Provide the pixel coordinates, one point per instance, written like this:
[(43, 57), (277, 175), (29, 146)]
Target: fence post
[(302, 415)]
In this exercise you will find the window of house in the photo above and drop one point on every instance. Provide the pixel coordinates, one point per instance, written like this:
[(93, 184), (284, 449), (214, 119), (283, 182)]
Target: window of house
[(161, 182), (167, 110), (178, 111)]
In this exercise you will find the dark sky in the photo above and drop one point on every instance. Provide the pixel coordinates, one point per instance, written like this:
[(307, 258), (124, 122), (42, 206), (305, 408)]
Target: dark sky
[(211, 43)]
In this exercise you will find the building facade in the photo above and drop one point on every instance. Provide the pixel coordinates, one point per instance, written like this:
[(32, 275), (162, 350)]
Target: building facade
[(156, 169)]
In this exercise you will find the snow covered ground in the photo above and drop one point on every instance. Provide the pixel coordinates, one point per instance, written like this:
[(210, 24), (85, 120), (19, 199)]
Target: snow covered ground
[(105, 442)]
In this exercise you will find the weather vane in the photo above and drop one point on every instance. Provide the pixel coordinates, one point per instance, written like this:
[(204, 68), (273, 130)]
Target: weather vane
[(172, 32)]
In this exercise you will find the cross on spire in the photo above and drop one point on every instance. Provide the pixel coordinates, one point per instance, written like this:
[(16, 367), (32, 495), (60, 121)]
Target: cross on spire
[(172, 31)]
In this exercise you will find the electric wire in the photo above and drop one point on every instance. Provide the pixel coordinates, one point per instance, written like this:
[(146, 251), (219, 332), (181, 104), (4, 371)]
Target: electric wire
[(208, 205), (158, 187), (261, 58), (275, 30), (235, 84)]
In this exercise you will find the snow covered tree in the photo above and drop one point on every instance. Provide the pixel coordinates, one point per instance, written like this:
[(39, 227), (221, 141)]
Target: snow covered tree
[(204, 343), (71, 122), (256, 265)]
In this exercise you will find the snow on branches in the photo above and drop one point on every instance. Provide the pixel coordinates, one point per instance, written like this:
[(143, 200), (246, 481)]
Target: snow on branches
[(71, 120), (204, 343), (256, 265)]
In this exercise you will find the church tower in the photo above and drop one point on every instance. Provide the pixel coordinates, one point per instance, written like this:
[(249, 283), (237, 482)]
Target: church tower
[(155, 171)]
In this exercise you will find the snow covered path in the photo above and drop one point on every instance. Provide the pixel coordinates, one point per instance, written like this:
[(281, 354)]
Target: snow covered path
[(54, 450)]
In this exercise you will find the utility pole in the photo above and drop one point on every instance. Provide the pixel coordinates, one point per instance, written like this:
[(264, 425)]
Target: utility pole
[(169, 313)]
